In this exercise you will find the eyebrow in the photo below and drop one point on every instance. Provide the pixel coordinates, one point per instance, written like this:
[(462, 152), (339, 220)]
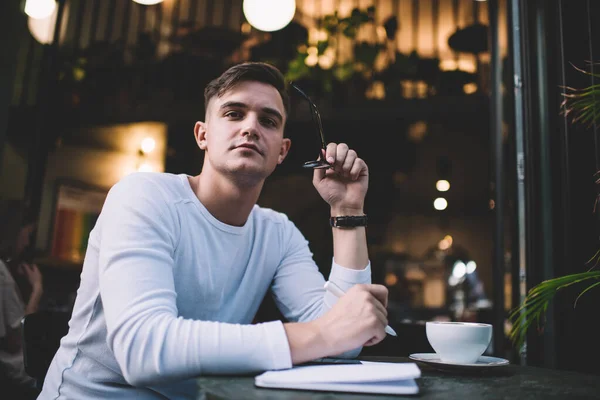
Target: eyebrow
[(266, 110)]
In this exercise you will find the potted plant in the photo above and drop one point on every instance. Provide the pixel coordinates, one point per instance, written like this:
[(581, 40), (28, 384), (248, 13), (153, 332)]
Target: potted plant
[(583, 105)]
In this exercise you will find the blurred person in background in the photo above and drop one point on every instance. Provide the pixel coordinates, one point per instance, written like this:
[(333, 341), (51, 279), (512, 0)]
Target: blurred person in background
[(21, 289)]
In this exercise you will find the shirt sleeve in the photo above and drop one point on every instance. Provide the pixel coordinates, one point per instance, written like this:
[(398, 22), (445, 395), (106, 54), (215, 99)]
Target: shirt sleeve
[(298, 284), (11, 305), (150, 342)]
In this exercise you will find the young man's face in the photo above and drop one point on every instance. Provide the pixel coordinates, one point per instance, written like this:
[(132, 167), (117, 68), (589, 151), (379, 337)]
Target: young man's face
[(243, 132)]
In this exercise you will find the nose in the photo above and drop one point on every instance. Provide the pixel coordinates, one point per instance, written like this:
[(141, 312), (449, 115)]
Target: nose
[(251, 127)]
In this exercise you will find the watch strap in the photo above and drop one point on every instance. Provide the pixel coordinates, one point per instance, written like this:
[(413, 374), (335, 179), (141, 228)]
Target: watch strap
[(348, 221)]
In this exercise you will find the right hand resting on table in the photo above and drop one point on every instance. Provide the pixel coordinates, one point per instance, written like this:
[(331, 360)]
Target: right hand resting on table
[(357, 319)]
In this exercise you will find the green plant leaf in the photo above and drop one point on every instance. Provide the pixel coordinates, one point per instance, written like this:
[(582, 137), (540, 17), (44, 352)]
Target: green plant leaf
[(582, 104), (535, 305), (582, 293)]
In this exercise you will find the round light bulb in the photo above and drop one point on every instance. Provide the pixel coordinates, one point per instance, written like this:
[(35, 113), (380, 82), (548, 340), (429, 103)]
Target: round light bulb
[(148, 144), (442, 185), (39, 9), (148, 2), (269, 15), (440, 203), (42, 29)]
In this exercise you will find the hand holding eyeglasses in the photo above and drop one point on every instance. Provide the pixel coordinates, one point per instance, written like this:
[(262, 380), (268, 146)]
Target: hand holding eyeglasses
[(344, 186), (340, 177)]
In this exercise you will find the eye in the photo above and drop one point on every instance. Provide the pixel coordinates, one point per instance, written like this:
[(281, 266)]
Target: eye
[(232, 114), (270, 122)]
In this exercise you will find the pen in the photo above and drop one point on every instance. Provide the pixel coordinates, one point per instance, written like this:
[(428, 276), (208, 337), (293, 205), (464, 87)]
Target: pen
[(337, 292)]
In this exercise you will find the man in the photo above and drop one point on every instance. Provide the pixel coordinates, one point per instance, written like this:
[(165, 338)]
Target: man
[(177, 266)]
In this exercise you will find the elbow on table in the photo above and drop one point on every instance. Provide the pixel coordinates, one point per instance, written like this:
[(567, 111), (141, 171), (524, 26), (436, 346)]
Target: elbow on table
[(138, 378), (139, 346), (135, 372), (141, 371), (137, 365)]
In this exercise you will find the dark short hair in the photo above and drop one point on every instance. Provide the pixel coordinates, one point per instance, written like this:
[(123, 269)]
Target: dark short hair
[(14, 215), (248, 71)]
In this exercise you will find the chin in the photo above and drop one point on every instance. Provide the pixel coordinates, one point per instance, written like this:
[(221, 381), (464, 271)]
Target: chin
[(248, 172)]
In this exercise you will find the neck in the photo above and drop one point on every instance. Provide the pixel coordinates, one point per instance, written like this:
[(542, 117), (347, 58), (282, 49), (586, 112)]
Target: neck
[(228, 201)]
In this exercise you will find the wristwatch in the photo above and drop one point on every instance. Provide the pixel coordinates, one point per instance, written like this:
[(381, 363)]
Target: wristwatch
[(348, 221)]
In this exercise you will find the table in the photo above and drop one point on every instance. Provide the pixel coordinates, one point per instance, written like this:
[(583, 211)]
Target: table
[(506, 382)]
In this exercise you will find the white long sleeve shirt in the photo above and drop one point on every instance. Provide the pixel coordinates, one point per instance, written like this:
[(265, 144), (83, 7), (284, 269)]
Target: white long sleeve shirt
[(168, 293)]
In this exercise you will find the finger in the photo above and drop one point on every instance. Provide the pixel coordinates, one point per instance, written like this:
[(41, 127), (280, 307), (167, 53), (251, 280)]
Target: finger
[(379, 306), (380, 292), (351, 156), (318, 175), (381, 315), (378, 337), (341, 152), (359, 167), (331, 153)]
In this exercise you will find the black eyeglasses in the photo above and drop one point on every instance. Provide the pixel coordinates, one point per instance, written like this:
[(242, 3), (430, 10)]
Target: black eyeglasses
[(316, 117)]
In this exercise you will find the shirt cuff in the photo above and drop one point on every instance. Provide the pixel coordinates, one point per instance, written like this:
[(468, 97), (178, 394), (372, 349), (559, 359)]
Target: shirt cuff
[(278, 344)]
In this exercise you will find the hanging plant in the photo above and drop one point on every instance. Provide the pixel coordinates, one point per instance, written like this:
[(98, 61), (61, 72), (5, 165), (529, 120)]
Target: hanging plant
[(583, 106), (317, 61)]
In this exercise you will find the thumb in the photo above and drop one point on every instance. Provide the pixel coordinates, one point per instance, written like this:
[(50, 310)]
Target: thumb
[(318, 175)]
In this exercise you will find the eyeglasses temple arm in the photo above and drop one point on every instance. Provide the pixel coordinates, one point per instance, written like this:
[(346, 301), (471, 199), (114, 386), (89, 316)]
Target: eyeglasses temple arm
[(316, 116)]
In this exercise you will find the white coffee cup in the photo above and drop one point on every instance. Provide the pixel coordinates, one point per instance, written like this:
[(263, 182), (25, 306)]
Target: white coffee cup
[(458, 342)]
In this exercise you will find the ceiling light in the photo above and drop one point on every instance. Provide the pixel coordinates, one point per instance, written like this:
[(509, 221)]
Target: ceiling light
[(148, 2), (39, 9), (442, 185), (147, 145), (440, 203), (269, 15)]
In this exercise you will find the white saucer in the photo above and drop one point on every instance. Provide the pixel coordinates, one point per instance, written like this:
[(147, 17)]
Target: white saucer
[(434, 360)]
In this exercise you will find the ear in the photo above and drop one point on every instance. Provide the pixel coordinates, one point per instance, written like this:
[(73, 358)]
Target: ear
[(283, 151), (200, 134)]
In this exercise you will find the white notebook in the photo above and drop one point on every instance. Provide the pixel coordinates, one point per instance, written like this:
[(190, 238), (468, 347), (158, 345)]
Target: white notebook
[(368, 377)]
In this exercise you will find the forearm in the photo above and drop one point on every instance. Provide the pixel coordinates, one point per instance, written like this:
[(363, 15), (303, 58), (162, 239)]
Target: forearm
[(306, 342), (350, 244), (34, 300), (162, 348)]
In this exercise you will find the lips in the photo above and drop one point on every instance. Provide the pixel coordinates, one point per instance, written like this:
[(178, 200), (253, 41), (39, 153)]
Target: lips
[(250, 146)]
